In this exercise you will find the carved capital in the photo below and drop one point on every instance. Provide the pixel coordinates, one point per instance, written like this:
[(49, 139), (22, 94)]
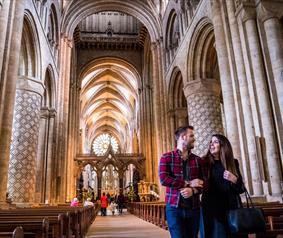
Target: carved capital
[(246, 13), (245, 9), (202, 86), (264, 13), (52, 112), (44, 112)]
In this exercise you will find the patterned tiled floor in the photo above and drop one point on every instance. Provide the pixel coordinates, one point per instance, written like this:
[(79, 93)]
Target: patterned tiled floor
[(124, 226)]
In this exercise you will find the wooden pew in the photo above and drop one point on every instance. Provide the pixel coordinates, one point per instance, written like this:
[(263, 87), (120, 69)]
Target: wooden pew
[(155, 212), (18, 232), (32, 228), (73, 222)]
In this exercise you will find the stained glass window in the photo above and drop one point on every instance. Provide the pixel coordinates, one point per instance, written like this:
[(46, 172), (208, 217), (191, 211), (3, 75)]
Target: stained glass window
[(102, 142)]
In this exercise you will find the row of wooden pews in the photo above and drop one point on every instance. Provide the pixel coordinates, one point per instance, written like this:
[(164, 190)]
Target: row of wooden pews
[(273, 213), (48, 222), (18, 232), (153, 212), (156, 213)]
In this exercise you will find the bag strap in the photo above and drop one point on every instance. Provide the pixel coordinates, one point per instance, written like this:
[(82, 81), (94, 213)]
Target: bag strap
[(248, 198)]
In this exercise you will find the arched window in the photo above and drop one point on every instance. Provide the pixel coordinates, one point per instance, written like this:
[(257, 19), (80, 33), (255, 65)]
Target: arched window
[(52, 29), (28, 56)]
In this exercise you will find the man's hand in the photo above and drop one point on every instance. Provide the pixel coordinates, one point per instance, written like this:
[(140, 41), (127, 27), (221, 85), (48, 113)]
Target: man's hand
[(229, 176), (196, 183), (186, 192)]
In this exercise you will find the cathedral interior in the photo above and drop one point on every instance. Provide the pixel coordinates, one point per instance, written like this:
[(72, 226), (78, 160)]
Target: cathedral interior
[(93, 90)]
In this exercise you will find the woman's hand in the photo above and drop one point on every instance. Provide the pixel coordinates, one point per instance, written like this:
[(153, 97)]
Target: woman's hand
[(229, 176), (196, 183), (186, 192)]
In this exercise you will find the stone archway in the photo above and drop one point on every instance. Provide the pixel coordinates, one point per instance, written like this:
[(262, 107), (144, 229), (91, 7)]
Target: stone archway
[(203, 89), (25, 134), (178, 112), (77, 11)]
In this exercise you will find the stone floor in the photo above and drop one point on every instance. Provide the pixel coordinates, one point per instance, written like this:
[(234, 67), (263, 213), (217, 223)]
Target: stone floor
[(124, 226)]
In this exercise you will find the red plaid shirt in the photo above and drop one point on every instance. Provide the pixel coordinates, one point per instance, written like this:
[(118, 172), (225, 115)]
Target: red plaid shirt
[(171, 175)]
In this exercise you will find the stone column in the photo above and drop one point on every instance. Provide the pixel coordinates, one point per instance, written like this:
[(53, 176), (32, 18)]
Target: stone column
[(158, 119), (225, 78), (50, 159), (41, 156), (21, 182), (64, 164), (44, 155), (251, 168), (171, 115), (273, 32), (259, 81), (203, 97), (8, 90)]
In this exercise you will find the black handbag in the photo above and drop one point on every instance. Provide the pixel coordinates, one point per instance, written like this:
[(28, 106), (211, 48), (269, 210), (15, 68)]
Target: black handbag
[(247, 220)]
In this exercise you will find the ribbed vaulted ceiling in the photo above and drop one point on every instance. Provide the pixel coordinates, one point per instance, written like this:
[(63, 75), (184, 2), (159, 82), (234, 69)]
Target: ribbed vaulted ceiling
[(109, 102)]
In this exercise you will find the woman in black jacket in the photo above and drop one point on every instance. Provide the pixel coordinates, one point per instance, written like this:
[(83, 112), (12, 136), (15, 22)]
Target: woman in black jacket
[(224, 186)]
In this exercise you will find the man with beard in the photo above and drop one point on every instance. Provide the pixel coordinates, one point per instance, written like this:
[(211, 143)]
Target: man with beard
[(182, 172)]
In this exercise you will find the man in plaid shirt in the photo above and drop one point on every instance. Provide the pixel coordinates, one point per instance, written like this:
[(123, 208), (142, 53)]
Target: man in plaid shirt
[(182, 173)]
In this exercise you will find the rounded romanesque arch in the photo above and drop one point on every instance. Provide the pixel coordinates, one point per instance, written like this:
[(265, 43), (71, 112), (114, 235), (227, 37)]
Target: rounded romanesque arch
[(202, 57), (178, 112), (44, 159), (172, 39), (78, 10), (29, 63), (102, 62), (29, 92), (203, 89)]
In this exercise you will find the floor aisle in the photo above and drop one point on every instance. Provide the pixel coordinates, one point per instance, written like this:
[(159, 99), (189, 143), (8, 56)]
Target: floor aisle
[(124, 226)]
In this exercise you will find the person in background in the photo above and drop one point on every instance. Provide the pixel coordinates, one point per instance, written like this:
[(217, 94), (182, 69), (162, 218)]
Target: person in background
[(224, 186), (113, 206), (88, 202), (75, 203), (120, 202), (181, 172), (103, 204)]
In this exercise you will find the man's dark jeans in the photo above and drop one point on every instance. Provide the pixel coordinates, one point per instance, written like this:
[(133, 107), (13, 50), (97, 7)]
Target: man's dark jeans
[(182, 222)]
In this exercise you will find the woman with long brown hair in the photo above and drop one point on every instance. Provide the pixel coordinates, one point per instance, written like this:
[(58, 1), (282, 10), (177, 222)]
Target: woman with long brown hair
[(224, 186)]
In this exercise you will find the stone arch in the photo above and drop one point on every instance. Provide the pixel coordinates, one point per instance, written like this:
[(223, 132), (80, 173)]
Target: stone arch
[(26, 123), (44, 160), (202, 57), (203, 89), (178, 114), (86, 69), (172, 36), (173, 31), (49, 94), (78, 10), (29, 63), (176, 94), (53, 29)]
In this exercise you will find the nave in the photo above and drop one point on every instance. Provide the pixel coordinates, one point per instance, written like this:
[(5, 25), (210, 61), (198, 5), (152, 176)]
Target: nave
[(91, 93), (124, 226)]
